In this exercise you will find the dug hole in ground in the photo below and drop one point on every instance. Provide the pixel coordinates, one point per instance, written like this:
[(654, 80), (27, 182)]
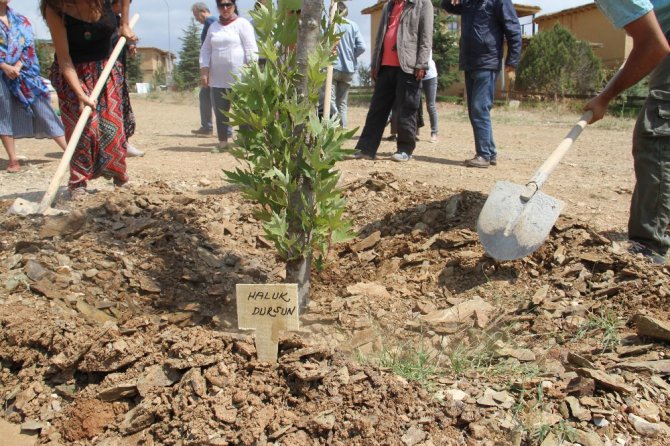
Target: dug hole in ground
[(118, 322)]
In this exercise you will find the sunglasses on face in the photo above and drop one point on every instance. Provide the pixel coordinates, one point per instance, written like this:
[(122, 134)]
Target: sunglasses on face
[(225, 5)]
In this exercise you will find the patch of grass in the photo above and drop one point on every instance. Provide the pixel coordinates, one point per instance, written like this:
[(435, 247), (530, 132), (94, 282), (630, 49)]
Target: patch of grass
[(564, 432), (407, 361), (605, 326), (539, 432), (411, 364)]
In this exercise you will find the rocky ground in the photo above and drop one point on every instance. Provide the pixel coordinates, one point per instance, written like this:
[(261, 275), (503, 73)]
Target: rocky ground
[(117, 327)]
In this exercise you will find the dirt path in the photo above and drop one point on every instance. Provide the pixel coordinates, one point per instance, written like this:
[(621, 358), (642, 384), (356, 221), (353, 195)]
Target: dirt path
[(595, 179)]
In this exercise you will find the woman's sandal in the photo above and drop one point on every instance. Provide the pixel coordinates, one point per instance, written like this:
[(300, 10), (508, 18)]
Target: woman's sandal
[(78, 193), (13, 167)]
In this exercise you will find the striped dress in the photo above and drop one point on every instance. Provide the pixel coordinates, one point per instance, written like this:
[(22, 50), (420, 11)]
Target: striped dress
[(25, 107)]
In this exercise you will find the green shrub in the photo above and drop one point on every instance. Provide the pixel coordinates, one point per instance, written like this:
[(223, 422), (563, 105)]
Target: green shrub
[(556, 63)]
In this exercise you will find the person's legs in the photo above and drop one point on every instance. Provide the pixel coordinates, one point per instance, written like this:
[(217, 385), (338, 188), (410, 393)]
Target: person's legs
[(62, 143), (650, 204), (408, 89), (430, 91), (378, 112), (6, 126), (480, 86), (10, 148), (221, 104), (342, 83), (205, 99)]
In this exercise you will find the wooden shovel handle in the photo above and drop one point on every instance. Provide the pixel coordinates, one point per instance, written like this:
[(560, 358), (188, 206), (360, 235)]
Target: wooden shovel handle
[(329, 71), (556, 156), (81, 124)]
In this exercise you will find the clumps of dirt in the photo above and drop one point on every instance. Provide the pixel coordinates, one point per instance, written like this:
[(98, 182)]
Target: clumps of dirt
[(125, 309), (197, 386), (86, 419)]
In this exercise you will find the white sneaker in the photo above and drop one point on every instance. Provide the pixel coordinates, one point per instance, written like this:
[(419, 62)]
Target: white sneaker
[(401, 157), (134, 151)]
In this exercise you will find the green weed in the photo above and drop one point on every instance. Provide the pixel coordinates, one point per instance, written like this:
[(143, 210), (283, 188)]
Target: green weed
[(606, 325)]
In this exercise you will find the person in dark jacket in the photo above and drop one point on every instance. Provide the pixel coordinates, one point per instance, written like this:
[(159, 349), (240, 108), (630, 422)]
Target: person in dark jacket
[(485, 25), (399, 63)]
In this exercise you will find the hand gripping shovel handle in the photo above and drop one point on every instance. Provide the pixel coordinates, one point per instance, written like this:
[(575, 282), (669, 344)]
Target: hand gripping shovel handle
[(329, 70), (556, 156), (81, 123)]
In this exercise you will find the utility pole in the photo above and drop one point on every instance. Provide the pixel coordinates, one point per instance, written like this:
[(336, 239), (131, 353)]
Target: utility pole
[(168, 70)]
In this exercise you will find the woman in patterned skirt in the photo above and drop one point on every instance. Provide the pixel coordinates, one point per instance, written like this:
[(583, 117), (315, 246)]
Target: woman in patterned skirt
[(82, 32), (25, 108)]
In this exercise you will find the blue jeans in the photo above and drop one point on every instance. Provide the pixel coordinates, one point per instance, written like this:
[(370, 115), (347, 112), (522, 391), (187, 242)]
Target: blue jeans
[(480, 86), (430, 91), (340, 93), (205, 108)]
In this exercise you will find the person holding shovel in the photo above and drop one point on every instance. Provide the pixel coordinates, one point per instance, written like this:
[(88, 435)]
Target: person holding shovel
[(648, 23), (25, 106), (82, 32)]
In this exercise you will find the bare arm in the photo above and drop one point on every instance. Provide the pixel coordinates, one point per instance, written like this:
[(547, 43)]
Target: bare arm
[(124, 27), (59, 38), (650, 47)]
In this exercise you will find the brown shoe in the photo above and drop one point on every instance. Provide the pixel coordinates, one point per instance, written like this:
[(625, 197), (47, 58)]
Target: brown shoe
[(478, 161), (202, 132)]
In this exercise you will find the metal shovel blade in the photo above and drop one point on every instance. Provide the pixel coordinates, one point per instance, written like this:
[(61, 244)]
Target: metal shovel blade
[(510, 228), (24, 208)]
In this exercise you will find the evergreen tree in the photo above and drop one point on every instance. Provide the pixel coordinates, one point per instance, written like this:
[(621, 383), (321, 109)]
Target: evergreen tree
[(160, 77), (364, 75), (445, 49), (133, 71), (187, 75), (556, 63)]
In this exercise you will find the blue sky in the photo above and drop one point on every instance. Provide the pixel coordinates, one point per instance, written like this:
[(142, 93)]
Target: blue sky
[(153, 25)]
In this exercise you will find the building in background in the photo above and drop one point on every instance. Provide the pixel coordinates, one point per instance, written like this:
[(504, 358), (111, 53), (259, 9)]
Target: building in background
[(153, 62)]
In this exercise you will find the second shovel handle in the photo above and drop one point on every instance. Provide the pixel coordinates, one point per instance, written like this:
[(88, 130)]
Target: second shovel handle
[(559, 152)]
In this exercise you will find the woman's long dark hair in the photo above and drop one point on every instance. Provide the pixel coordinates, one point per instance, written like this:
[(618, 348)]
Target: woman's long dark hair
[(57, 5)]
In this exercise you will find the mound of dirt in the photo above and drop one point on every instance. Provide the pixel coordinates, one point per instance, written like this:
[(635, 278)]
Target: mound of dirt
[(117, 326)]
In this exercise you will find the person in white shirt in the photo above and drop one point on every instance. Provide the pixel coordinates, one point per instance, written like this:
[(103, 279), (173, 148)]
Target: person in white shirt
[(229, 45)]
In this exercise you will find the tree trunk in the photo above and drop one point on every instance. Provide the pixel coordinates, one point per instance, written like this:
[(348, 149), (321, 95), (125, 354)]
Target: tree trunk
[(299, 269)]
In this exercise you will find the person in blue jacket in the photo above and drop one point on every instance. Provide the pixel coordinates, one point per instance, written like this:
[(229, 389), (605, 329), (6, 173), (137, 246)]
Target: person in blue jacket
[(485, 25), (350, 46), (203, 16), (648, 23)]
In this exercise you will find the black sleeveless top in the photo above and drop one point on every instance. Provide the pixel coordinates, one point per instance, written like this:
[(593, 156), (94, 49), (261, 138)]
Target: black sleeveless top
[(91, 42)]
